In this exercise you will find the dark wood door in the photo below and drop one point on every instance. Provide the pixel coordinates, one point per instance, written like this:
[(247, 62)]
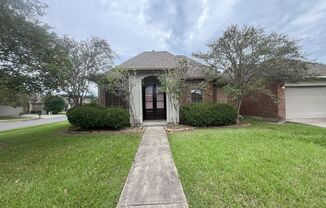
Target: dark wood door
[(154, 105)]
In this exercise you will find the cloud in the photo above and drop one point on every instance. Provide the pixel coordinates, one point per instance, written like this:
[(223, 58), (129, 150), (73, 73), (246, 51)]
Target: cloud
[(185, 26)]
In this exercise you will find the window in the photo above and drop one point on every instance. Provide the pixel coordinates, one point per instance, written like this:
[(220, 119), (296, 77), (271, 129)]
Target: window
[(196, 95), (149, 97)]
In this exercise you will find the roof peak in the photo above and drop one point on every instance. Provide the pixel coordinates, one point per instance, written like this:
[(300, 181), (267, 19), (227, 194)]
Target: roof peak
[(154, 51)]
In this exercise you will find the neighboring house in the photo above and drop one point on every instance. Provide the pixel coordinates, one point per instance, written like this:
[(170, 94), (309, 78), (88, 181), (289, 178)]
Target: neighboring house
[(35, 104), (9, 111), (296, 100)]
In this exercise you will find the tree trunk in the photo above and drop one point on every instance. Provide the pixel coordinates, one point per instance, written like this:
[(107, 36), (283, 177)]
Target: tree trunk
[(239, 102)]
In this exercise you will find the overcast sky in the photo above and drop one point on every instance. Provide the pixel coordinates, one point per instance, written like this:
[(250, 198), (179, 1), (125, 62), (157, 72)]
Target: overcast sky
[(185, 26)]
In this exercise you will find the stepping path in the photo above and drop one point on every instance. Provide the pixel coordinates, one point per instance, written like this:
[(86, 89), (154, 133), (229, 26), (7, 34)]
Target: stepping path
[(153, 179)]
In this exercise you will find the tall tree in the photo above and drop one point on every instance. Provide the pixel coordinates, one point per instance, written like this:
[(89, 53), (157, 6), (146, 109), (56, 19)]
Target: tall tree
[(84, 62), (173, 83), (26, 46), (247, 57)]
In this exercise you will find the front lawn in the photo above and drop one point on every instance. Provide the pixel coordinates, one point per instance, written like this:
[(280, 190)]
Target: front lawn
[(264, 165), (46, 167)]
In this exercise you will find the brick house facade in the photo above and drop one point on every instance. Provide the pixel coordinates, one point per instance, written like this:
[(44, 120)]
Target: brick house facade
[(208, 93), (293, 100), (265, 106)]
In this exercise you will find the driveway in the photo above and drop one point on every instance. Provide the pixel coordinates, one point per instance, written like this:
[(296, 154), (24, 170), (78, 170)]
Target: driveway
[(321, 122), (20, 124)]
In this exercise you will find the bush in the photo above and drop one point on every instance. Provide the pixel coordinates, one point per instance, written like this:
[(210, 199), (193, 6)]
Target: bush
[(96, 117), (54, 104), (117, 117), (207, 114)]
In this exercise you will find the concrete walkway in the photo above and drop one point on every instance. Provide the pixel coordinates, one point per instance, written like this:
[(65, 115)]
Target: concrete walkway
[(320, 122), (153, 179)]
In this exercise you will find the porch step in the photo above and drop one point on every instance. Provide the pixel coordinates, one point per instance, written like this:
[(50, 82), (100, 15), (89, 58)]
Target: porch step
[(154, 123)]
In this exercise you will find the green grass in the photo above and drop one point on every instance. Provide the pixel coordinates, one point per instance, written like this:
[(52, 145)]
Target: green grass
[(46, 167), (264, 165)]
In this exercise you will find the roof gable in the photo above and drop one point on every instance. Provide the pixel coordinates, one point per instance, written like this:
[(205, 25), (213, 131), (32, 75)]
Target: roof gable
[(151, 60), (160, 60)]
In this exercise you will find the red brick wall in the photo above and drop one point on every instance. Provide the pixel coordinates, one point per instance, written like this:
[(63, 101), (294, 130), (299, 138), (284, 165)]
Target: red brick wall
[(281, 101), (208, 94), (265, 106)]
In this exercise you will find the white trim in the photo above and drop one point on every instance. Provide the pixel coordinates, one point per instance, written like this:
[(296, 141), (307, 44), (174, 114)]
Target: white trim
[(316, 83)]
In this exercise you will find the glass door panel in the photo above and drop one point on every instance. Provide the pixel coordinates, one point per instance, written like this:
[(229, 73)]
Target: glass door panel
[(149, 97)]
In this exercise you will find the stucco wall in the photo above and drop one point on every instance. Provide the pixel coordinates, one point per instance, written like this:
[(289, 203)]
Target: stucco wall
[(137, 101)]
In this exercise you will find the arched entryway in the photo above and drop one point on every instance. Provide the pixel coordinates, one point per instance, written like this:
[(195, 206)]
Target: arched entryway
[(154, 100)]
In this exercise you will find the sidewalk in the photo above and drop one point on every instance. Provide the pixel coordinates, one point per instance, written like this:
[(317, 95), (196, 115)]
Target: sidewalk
[(20, 124), (153, 179)]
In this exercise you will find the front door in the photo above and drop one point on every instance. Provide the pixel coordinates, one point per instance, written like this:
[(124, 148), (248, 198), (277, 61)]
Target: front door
[(154, 106)]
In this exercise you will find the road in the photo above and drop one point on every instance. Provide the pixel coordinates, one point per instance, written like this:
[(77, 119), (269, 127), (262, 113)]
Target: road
[(20, 124)]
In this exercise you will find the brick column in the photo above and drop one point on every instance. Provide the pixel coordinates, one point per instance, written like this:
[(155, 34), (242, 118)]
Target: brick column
[(281, 101)]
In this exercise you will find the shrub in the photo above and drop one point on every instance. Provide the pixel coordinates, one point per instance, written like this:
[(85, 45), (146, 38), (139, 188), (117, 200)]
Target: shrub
[(207, 114), (117, 117), (96, 117), (54, 104)]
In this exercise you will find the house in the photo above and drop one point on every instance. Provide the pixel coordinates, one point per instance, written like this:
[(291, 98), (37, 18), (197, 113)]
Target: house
[(35, 104), (304, 99), (150, 103), (9, 111)]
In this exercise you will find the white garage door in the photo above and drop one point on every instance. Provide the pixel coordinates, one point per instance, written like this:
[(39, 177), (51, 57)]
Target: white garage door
[(305, 102)]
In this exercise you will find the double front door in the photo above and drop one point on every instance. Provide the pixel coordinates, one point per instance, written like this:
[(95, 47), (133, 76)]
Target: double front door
[(154, 105)]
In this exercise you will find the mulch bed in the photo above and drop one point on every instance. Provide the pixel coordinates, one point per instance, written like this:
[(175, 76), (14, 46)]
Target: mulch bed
[(189, 128)]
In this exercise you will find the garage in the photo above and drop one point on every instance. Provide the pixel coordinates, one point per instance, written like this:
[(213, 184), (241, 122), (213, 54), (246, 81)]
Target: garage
[(305, 100)]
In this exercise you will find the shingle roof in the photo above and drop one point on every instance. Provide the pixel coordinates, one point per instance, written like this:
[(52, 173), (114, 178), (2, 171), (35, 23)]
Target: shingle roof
[(151, 60), (158, 60)]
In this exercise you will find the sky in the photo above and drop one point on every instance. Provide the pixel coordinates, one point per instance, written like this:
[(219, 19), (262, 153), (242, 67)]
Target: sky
[(186, 26)]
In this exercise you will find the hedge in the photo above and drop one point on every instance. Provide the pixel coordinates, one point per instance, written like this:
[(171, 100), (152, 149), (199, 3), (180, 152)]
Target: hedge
[(207, 114), (96, 117)]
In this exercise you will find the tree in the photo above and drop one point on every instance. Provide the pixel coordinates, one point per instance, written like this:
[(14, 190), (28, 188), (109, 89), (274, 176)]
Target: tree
[(54, 104), (119, 81), (27, 47), (17, 97), (247, 57), (85, 61), (173, 83)]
